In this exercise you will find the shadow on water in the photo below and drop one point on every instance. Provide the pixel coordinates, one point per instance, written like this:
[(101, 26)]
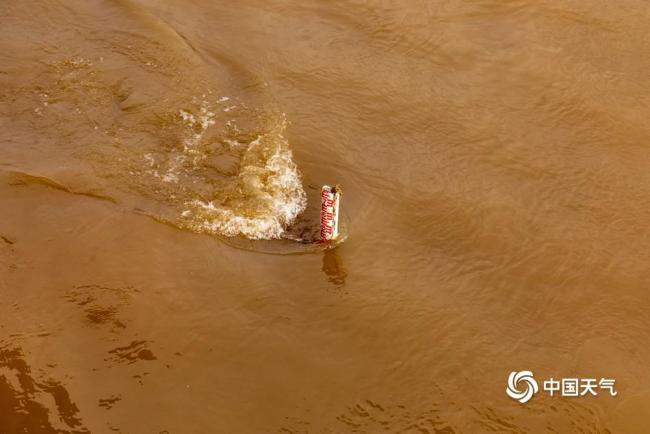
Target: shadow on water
[(20, 409), (333, 268)]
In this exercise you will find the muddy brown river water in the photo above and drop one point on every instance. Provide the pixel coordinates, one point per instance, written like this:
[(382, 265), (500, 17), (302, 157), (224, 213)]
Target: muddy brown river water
[(156, 157)]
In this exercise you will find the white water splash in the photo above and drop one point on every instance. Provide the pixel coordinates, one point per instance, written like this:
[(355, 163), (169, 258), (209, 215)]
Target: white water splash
[(266, 195)]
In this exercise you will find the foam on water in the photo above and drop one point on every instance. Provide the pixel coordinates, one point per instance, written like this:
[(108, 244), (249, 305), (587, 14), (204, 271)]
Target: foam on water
[(263, 198), (226, 181)]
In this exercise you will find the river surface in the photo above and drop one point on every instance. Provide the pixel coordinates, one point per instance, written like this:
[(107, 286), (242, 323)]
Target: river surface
[(159, 160)]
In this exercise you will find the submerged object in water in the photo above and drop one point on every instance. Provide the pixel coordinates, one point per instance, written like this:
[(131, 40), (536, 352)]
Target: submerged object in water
[(329, 212)]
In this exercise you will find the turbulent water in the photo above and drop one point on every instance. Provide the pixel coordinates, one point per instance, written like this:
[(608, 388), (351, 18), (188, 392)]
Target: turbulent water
[(154, 124), (494, 159)]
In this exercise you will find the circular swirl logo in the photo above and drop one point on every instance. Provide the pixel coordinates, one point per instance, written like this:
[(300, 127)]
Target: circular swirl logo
[(526, 379)]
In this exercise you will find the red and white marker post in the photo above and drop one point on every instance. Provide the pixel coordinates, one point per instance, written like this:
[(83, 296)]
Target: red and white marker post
[(329, 213)]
